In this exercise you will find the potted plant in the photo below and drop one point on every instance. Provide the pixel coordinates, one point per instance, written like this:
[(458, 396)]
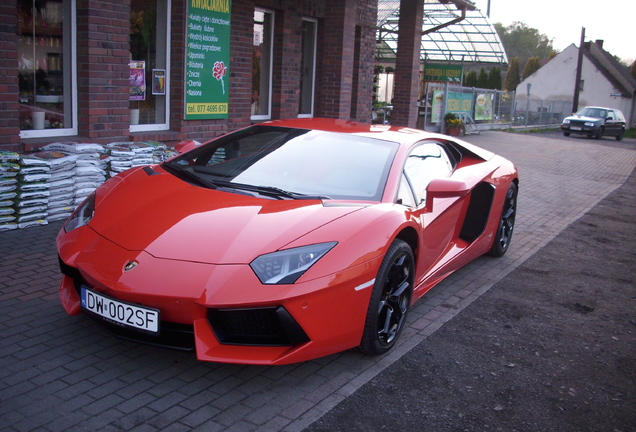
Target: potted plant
[(454, 125)]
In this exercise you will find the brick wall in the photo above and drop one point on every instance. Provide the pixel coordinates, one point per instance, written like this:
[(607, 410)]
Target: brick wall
[(344, 75), (338, 48), (364, 61), (9, 94), (407, 64), (103, 54)]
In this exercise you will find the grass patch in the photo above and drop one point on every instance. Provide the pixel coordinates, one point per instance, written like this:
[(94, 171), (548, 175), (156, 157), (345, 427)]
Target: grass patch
[(630, 133), (531, 130)]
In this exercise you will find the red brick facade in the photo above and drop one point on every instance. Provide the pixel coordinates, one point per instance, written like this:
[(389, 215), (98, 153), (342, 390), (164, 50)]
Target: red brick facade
[(407, 64), (344, 70), (9, 91)]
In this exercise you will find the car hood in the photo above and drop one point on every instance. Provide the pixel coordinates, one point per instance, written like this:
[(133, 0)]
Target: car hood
[(584, 118), (152, 210)]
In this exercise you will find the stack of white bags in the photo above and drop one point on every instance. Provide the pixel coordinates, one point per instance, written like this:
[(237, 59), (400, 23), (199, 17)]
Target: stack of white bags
[(9, 168), (48, 185)]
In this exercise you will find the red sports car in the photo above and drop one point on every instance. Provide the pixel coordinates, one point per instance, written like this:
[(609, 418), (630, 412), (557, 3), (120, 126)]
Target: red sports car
[(284, 241)]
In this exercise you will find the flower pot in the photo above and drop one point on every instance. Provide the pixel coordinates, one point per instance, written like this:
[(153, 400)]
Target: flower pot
[(38, 119), (453, 130), (134, 116)]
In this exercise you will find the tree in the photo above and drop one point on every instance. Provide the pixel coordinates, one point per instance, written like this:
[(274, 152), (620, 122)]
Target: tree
[(512, 77), (632, 71), (523, 42), (494, 79), (482, 79), (532, 65), (470, 79)]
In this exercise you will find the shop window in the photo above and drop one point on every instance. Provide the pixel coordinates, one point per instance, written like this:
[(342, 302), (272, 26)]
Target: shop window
[(308, 69), (46, 62), (262, 65), (149, 60)]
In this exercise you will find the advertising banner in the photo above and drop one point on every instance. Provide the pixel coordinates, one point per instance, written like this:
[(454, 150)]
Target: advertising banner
[(483, 106), (207, 59), (460, 102), (457, 102), (443, 73)]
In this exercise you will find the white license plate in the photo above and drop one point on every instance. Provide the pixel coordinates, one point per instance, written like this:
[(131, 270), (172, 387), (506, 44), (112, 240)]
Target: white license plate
[(120, 313), (575, 128)]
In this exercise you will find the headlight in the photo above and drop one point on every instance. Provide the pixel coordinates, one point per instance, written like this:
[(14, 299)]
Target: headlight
[(286, 266), (590, 124), (82, 214), (566, 121)]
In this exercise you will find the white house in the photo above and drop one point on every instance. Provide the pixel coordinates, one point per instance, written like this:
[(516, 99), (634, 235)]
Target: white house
[(604, 81)]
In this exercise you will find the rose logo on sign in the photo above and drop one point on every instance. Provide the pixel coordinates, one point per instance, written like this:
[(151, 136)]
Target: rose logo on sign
[(219, 70)]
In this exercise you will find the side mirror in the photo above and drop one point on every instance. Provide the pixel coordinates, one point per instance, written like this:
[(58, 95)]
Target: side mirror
[(444, 188), (186, 145)]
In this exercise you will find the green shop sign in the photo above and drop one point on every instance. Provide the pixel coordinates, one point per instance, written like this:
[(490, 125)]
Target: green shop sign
[(207, 59), (443, 73)]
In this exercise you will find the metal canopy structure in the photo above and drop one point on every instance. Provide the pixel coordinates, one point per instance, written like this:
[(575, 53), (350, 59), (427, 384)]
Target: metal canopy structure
[(452, 32)]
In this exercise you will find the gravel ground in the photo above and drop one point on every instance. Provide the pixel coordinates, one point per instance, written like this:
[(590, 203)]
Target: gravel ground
[(549, 348)]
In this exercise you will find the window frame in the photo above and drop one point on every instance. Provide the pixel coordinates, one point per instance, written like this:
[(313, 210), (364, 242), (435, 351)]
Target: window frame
[(420, 197), (314, 53), (72, 97), (149, 127), (272, 15)]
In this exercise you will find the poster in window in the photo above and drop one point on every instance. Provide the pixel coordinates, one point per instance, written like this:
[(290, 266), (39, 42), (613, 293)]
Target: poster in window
[(137, 80), (207, 59), (159, 82)]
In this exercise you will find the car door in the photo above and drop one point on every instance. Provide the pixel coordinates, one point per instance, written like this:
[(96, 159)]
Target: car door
[(610, 123), (428, 161)]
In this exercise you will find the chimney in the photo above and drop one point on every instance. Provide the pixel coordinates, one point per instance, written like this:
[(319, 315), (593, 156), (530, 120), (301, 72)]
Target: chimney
[(599, 43)]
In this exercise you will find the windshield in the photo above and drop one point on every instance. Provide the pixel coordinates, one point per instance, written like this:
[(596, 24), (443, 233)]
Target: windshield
[(289, 163), (592, 112)]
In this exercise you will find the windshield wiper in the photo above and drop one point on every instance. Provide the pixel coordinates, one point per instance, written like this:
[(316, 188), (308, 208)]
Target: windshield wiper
[(275, 192), (293, 195), (270, 191), (187, 172)]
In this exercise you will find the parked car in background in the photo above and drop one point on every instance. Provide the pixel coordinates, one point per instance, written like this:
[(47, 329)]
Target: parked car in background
[(595, 122)]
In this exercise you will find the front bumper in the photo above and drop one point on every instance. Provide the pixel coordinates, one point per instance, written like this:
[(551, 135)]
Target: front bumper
[(579, 129), (222, 311)]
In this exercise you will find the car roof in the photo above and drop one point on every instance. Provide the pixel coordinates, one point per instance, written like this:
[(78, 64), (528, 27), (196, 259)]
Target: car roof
[(600, 107), (403, 135), (378, 131)]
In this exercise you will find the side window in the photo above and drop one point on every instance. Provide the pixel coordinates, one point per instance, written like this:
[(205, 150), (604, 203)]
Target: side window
[(426, 162), (45, 66), (262, 64), (405, 194)]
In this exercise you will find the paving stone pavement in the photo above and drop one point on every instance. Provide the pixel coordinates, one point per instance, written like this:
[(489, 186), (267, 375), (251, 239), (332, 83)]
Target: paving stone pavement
[(63, 373)]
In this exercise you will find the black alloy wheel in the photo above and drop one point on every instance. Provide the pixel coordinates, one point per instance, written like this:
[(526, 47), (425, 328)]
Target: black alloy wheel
[(506, 226), (390, 300)]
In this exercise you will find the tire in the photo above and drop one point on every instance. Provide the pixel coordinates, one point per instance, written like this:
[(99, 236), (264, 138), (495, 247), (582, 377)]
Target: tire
[(506, 226), (620, 135), (599, 133), (390, 300), (566, 133)]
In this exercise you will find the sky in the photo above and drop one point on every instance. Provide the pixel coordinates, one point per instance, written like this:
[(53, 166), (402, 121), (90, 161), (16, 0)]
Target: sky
[(613, 21)]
